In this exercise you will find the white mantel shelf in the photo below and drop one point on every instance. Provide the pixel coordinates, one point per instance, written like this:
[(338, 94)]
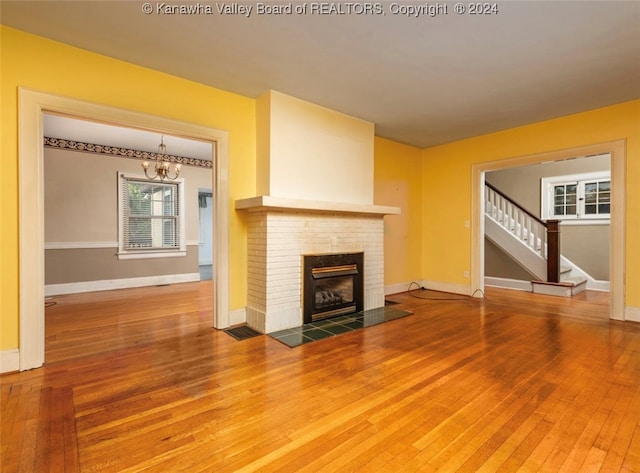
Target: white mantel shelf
[(265, 202)]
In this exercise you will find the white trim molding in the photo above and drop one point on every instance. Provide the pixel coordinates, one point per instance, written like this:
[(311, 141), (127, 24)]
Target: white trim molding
[(579, 218), (506, 283), (32, 105), (125, 283), (90, 245), (152, 254), (520, 285), (398, 288), (632, 314), (9, 360), (178, 213), (79, 245), (451, 288), (439, 286), (238, 316)]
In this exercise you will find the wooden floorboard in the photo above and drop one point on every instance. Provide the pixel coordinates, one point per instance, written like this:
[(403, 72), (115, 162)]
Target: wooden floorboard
[(138, 380)]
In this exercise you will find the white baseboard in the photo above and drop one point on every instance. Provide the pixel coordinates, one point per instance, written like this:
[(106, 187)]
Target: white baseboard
[(398, 288), (238, 316), (506, 283), (632, 314), (9, 360), (109, 284), (447, 287), (595, 285), (433, 285)]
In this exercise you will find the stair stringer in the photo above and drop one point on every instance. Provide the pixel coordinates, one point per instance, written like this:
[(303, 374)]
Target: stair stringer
[(521, 253)]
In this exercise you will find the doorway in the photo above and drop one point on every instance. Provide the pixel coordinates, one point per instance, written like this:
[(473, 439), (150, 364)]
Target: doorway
[(32, 106), (585, 229), (616, 149)]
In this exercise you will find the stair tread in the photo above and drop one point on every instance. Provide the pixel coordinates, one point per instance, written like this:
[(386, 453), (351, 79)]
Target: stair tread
[(575, 281)]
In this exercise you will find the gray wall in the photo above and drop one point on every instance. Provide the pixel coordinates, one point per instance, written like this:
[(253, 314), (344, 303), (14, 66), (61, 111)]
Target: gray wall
[(99, 264), (499, 264), (585, 245)]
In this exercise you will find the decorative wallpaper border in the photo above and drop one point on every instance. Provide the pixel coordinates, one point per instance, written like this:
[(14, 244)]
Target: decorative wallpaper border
[(122, 152)]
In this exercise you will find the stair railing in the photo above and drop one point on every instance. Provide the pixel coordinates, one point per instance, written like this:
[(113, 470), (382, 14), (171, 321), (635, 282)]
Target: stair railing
[(541, 237)]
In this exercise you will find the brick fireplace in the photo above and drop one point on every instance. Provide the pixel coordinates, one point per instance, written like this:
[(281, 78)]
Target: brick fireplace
[(281, 233)]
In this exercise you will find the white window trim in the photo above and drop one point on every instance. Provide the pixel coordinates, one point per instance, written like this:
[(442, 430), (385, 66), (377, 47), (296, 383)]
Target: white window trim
[(546, 194), (149, 253)]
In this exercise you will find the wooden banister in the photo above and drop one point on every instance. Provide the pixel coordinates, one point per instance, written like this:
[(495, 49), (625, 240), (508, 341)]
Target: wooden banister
[(552, 229)]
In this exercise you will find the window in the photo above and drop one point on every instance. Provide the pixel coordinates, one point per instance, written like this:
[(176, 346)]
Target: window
[(151, 216), (581, 198)]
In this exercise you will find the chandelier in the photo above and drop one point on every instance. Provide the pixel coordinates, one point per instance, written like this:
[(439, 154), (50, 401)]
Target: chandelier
[(162, 170)]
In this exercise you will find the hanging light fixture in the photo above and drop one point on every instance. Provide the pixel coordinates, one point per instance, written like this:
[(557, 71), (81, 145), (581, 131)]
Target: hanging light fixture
[(162, 167)]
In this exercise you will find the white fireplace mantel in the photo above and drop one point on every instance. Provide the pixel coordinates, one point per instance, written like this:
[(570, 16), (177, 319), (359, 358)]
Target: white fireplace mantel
[(266, 202)]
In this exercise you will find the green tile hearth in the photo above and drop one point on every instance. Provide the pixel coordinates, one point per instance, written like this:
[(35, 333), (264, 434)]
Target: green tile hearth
[(326, 328)]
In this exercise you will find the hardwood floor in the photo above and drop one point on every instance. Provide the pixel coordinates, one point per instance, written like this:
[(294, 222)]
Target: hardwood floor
[(137, 380)]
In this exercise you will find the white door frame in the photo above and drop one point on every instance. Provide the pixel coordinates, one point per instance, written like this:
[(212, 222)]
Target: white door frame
[(617, 150), (32, 105)]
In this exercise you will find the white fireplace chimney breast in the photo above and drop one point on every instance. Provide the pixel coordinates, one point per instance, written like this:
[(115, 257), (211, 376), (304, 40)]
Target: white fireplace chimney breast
[(309, 152)]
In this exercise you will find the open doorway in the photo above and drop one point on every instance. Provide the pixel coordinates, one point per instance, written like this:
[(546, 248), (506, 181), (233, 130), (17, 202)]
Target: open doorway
[(616, 150), (32, 106), (576, 192)]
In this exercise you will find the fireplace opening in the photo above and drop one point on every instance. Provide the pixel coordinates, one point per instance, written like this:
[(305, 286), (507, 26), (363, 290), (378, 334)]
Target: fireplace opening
[(332, 285)]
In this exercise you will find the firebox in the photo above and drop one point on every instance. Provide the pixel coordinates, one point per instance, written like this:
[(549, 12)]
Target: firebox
[(332, 286)]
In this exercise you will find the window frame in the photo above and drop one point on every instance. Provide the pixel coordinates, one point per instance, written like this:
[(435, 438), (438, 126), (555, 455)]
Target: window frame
[(547, 186), (141, 253)]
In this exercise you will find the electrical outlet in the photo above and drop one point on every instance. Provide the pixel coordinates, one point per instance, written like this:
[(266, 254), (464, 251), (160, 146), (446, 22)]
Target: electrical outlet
[(466, 274)]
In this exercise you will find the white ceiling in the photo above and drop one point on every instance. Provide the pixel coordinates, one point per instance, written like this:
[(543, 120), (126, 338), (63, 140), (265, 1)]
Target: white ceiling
[(422, 81)]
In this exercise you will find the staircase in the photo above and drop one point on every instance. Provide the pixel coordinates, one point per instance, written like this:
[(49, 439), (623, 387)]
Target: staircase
[(532, 243)]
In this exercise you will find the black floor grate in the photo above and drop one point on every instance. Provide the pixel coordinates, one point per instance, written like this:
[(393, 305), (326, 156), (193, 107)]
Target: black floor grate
[(242, 333)]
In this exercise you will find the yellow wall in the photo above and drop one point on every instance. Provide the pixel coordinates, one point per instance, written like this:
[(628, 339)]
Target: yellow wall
[(36, 63), (446, 182), (431, 185), (397, 182)]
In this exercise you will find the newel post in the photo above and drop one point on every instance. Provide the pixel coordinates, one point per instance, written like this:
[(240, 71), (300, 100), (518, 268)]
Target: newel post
[(553, 251)]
